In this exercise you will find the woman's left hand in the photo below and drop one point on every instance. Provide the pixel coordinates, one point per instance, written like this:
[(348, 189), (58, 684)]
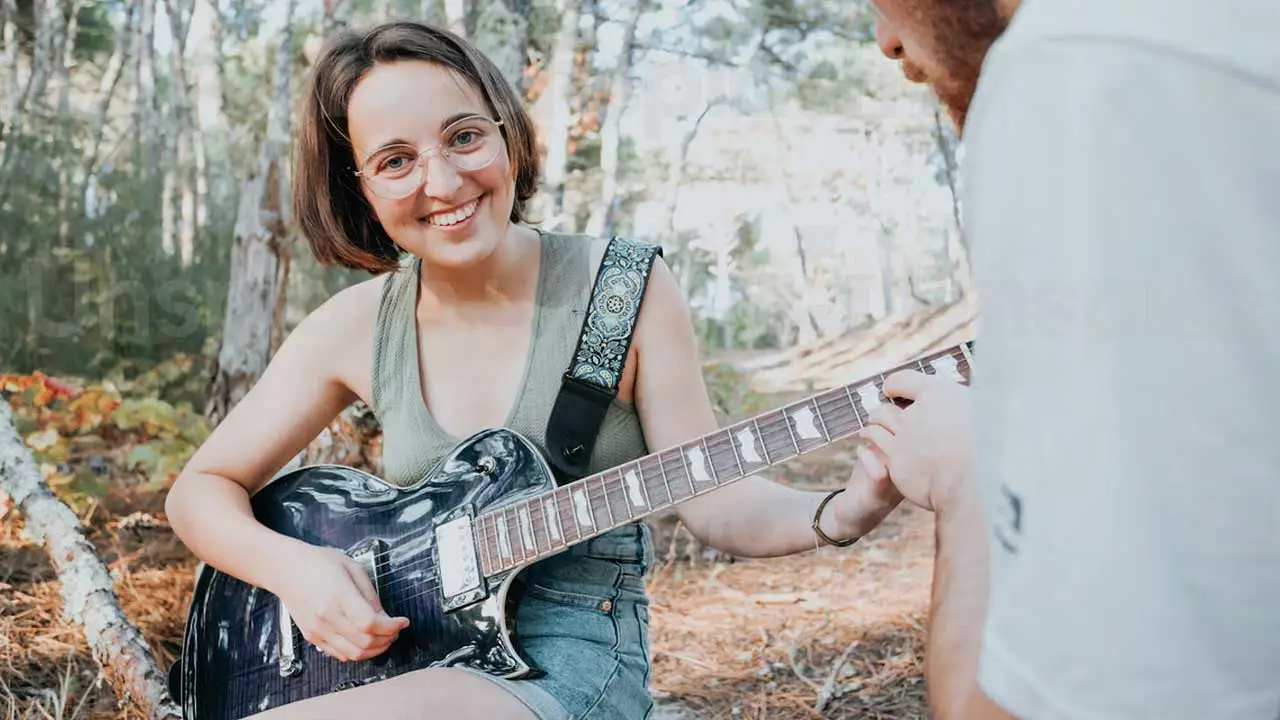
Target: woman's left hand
[(868, 499)]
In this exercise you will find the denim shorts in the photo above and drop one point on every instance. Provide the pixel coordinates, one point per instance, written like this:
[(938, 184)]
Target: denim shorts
[(583, 621)]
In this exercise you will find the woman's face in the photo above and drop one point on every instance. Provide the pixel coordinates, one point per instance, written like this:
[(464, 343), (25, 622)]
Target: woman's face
[(447, 216)]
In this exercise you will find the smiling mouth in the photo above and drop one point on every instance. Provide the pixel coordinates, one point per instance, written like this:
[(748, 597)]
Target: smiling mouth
[(453, 217)]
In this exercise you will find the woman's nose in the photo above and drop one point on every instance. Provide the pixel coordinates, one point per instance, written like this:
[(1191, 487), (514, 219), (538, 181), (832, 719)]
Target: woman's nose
[(442, 178)]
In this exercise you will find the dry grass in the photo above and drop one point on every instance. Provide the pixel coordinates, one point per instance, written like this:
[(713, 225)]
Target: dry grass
[(743, 640)]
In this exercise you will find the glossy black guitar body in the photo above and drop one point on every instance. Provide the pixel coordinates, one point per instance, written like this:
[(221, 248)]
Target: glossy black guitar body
[(235, 660)]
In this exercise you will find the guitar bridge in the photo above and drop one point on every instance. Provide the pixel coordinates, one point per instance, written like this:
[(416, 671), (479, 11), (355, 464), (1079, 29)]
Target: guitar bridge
[(461, 581)]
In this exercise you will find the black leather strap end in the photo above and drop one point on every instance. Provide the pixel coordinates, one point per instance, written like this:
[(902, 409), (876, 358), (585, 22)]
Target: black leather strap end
[(575, 422)]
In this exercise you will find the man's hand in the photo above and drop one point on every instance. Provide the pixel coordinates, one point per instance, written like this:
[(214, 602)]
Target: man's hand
[(923, 448)]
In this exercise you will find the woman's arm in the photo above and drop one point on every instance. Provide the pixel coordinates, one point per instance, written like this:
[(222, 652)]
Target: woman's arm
[(753, 517), (306, 384)]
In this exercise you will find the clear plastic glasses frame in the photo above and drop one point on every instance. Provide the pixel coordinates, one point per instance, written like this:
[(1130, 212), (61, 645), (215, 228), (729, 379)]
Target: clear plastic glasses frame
[(397, 171)]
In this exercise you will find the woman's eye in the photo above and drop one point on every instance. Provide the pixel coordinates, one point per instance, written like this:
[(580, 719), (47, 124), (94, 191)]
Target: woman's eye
[(395, 163), (466, 137)]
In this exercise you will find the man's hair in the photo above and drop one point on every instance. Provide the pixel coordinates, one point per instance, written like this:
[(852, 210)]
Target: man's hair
[(327, 203)]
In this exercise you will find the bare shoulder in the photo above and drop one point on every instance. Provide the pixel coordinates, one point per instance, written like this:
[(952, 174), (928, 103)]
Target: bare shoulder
[(664, 311), (341, 331)]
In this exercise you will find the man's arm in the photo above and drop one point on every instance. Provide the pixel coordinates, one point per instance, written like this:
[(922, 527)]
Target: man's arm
[(958, 608), (925, 451)]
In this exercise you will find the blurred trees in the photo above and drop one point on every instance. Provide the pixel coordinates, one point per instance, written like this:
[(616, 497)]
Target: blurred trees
[(798, 185)]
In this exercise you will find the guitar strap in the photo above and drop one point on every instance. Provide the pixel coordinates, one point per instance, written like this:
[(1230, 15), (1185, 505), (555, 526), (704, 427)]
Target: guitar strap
[(591, 381)]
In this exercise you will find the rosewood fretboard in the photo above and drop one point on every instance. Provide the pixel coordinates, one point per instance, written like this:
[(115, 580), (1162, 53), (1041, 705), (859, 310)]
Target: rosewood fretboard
[(531, 529)]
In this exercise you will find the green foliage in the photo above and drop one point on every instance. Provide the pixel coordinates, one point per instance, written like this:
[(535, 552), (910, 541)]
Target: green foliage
[(731, 393), (77, 435)]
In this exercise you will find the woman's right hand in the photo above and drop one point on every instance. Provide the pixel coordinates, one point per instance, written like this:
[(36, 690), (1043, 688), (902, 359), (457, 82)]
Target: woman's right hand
[(334, 605)]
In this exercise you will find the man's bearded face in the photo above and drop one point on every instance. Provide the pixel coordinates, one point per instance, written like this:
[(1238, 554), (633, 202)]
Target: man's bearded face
[(942, 43)]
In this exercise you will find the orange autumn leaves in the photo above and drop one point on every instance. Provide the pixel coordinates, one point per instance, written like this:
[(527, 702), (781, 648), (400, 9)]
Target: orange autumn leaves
[(86, 437)]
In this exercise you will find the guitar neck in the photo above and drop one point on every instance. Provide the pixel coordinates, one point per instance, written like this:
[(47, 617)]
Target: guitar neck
[(530, 529)]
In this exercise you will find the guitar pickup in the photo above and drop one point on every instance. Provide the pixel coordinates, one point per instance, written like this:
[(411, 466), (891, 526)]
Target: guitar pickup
[(458, 561)]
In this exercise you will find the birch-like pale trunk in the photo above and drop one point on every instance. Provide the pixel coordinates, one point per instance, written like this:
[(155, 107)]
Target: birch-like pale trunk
[(560, 97), (10, 53), (260, 254), (120, 59), (88, 594), (601, 220), (180, 169), (66, 54), (957, 249), (455, 16), (502, 34)]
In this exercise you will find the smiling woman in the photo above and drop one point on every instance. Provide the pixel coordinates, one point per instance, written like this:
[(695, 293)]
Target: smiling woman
[(415, 163)]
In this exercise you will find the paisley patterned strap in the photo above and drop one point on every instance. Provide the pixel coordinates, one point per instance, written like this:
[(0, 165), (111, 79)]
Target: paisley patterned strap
[(591, 382)]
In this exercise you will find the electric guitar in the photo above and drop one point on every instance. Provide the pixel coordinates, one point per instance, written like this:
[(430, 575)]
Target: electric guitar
[(446, 551)]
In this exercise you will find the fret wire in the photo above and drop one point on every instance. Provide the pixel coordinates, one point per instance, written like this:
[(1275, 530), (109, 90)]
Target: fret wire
[(564, 508), (688, 470), (665, 483), (856, 415), (536, 511), (734, 449), (817, 410), (514, 536), (763, 446), (646, 474), (711, 462), (605, 489), (786, 420), (644, 486), (622, 495)]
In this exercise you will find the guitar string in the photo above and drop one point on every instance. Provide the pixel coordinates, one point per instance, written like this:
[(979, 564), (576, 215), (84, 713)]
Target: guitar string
[(649, 465), (776, 432), (655, 459), (425, 584)]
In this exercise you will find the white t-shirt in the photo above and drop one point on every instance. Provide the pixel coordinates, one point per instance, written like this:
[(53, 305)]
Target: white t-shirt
[(1122, 194)]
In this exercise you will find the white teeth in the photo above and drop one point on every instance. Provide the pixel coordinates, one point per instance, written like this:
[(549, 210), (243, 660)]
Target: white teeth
[(456, 216)]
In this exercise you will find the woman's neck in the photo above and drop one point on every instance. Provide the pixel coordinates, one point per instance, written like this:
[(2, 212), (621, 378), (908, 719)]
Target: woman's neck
[(500, 277)]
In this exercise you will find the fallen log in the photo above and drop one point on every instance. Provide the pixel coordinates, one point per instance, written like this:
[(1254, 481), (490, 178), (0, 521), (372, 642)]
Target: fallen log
[(88, 596)]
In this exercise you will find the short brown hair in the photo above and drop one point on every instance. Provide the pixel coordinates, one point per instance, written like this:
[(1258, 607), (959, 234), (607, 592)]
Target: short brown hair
[(327, 203)]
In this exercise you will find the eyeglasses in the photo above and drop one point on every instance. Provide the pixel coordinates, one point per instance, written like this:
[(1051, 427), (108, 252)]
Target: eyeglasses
[(397, 171)]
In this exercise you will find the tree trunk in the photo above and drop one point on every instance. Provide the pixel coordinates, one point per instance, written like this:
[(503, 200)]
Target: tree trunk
[(601, 220), (560, 97), (259, 257), (88, 595), (66, 58), (455, 16), (337, 16), (502, 33), (957, 249)]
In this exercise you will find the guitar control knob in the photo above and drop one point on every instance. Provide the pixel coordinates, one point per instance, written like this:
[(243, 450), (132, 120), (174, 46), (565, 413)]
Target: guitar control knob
[(487, 465)]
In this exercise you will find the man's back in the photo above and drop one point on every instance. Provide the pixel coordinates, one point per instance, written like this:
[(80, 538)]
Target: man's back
[(1123, 196)]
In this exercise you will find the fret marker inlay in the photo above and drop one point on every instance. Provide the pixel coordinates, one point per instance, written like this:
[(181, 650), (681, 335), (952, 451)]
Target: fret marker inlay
[(947, 367), (870, 395), (553, 518), (504, 542), (804, 424), (526, 528), (747, 446), (698, 464), (633, 489), (582, 508)]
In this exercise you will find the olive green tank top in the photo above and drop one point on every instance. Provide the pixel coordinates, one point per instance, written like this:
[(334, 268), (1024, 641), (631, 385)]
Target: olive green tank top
[(413, 443)]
